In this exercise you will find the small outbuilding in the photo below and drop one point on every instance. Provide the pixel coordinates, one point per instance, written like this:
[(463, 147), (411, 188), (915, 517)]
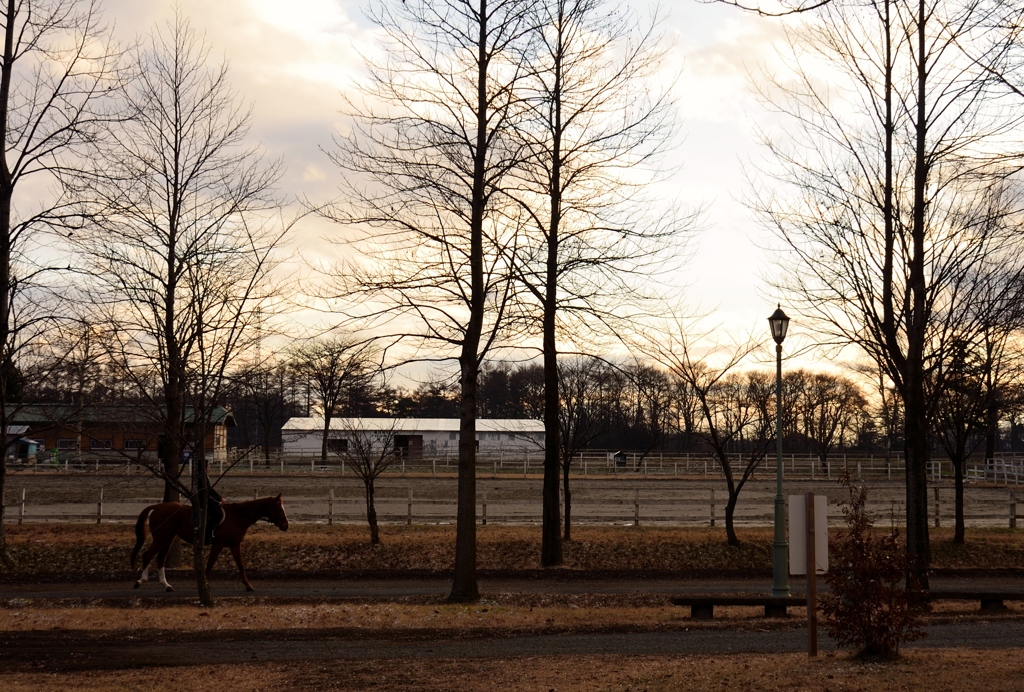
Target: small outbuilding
[(413, 437)]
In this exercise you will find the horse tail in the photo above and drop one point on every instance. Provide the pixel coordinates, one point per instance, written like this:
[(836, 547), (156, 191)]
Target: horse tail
[(140, 532)]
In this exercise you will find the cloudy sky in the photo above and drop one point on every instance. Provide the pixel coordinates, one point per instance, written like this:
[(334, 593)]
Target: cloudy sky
[(293, 59)]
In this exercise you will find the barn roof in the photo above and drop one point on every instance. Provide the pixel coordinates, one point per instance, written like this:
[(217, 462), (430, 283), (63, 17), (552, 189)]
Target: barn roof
[(414, 425)]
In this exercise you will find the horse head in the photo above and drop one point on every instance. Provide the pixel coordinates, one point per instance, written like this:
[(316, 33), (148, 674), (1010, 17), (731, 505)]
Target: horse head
[(276, 515)]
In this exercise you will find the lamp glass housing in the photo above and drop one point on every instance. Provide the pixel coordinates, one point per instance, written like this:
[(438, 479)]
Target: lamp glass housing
[(779, 324)]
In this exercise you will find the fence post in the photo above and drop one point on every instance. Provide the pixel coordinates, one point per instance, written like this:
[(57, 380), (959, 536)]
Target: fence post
[(21, 510), (526, 460), (938, 520), (636, 508), (99, 508), (1013, 509), (330, 507), (828, 467), (408, 516), (250, 466), (712, 506), (484, 514), (433, 467), (312, 465), (282, 464)]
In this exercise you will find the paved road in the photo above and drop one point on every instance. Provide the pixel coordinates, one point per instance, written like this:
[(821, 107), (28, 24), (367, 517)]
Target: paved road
[(51, 652), (400, 588)]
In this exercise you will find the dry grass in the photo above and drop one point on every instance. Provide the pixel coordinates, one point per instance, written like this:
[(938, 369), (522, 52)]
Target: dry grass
[(42, 548), (935, 671)]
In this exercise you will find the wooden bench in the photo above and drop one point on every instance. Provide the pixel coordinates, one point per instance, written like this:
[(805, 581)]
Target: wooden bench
[(991, 601), (703, 607)]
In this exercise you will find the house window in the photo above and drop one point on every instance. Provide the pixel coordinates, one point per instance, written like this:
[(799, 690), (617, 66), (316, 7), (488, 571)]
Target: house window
[(101, 444), (66, 443), (130, 444), (452, 436), (337, 446)]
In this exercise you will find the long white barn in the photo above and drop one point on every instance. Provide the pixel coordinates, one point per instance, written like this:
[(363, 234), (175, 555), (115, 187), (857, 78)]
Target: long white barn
[(414, 437)]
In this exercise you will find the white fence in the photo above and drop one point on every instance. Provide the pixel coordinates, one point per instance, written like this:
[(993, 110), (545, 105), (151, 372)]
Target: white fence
[(1004, 470), (696, 506)]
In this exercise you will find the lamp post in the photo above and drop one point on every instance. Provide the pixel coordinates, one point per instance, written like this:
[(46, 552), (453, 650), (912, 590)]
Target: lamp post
[(780, 548)]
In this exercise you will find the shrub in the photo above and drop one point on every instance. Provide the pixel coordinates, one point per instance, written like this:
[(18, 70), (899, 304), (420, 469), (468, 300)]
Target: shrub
[(868, 606)]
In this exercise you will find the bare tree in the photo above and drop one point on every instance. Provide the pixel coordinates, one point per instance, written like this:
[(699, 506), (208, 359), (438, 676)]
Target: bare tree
[(737, 411), (338, 372), (370, 452), (430, 155), (891, 212), (259, 398), (183, 237), (826, 408), (579, 419), (596, 124), (57, 67)]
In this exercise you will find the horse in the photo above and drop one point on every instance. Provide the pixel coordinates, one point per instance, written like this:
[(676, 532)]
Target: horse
[(168, 520)]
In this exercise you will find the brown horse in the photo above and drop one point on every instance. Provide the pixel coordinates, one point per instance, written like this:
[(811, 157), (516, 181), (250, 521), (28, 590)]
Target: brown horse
[(168, 520)]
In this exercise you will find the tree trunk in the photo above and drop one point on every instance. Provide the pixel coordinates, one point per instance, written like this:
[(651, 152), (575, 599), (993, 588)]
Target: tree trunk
[(918, 546), (464, 585), (6, 197), (916, 421), (5, 556), (200, 499), (567, 530), (958, 484), (551, 541), (327, 431), (730, 512), (371, 513)]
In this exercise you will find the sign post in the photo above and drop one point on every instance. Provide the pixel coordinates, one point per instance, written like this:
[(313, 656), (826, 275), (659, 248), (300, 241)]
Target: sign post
[(812, 585), (808, 545)]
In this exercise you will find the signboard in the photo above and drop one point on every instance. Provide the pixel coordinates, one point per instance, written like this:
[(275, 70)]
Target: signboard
[(798, 534)]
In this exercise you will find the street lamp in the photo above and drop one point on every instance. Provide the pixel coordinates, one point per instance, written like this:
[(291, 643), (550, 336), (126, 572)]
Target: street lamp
[(780, 548)]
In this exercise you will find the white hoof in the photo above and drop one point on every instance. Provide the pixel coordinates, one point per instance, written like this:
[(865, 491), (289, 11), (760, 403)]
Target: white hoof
[(169, 589)]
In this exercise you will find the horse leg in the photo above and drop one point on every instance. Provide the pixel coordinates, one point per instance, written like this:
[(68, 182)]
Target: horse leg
[(160, 560), (146, 557), (236, 552), (215, 549)]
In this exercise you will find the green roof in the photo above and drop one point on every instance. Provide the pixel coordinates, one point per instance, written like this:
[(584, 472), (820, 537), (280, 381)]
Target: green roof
[(36, 414)]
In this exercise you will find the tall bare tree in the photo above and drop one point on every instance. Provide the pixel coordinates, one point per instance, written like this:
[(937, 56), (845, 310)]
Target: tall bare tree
[(884, 204), (57, 68), (597, 123), (429, 155), (183, 237)]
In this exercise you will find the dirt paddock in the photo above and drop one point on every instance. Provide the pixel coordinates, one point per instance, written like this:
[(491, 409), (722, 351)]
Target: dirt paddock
[(936, 671)]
